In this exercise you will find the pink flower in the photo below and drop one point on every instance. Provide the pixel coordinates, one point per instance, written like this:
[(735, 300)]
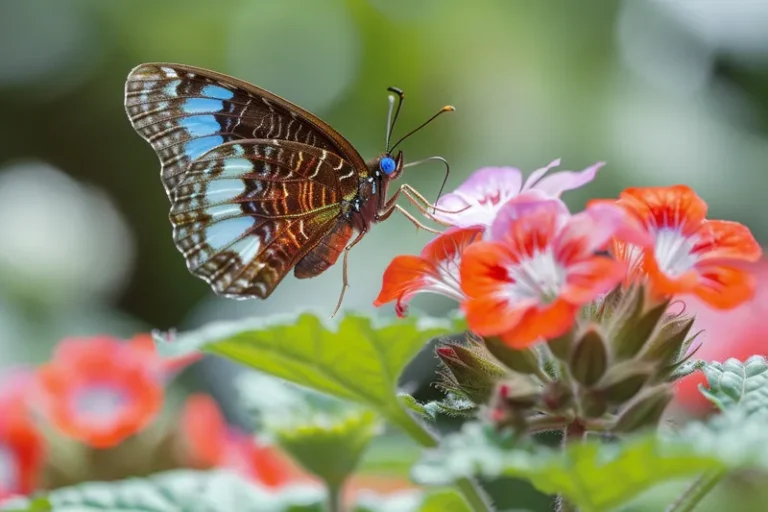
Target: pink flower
[(539, 267), (482, 195), (435, 270)]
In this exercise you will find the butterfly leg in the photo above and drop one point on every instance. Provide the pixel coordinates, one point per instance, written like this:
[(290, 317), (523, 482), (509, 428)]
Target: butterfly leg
[(385, 213), (420, 202), (345, 279)]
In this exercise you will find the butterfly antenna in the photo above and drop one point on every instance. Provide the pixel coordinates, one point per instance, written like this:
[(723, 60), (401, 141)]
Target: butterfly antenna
[(390, 119), (447, 108), (445, 179)]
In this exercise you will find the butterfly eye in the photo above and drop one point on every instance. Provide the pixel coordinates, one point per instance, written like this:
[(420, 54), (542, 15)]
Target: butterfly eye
[(387, 165)]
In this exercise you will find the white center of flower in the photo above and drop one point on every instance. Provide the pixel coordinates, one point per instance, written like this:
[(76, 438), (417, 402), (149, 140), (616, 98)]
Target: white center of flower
[(99, 403), (8, 470), (539, 277), (674, 252), (447, 281)]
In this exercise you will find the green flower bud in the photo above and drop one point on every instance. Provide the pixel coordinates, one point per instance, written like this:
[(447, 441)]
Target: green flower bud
[(645, 410), (468, 370), (623, 382), (670, 343), (520, 361), (593, 404), (590, 358), (633, 323)]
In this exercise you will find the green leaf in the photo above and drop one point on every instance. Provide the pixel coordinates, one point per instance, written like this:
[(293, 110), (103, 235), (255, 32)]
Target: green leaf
[(593, 475), (330, 449), (353, 358), (443, 501), (190, 491), (735, 384)]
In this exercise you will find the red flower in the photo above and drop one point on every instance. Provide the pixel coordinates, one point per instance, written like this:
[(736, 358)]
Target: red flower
[(686, 253), (435, 270), (100, 390), (21, 445), (209, 442), (539, 267)]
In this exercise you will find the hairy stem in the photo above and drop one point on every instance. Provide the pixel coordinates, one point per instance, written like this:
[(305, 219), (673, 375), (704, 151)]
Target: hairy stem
[(573, 433), (697, 490), (471, 491), (334, 498)]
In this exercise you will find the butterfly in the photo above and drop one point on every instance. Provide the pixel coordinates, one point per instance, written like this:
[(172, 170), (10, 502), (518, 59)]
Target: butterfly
[(257, 185)]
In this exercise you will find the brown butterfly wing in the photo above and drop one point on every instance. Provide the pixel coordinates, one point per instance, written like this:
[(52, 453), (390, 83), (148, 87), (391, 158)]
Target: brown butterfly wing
[(248, 211), (184, 112)]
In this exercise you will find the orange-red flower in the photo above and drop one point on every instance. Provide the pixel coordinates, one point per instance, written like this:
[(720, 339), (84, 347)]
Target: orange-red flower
[(435, 270), (538, 268), (21, 445), (101, 390), (209, 442), (686, 253)]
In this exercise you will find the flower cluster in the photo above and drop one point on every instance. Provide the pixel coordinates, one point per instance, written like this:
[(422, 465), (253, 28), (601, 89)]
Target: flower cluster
[(522, 266)]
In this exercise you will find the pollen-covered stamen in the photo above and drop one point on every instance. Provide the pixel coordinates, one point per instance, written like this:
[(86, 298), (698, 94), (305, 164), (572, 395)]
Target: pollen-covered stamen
[(539, 277), (674, 251)]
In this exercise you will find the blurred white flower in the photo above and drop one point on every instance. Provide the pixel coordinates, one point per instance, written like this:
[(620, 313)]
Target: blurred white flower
[(60, 241)]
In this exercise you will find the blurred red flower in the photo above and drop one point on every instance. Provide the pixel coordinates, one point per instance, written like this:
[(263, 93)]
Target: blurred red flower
[(101, 390), (741, 332), (21, 445), (210, 442)]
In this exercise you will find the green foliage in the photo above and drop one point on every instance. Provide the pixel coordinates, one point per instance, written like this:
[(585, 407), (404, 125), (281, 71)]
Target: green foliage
[(735, 384), (595, 476), (190, 491), (354, 358), (199, 491)]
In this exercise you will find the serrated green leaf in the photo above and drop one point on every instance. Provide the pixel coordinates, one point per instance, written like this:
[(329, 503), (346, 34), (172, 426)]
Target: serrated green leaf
[(353, 358), (594, 476), (190, 491), (735, 384)]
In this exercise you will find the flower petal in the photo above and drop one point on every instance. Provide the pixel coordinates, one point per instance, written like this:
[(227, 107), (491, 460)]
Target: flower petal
[(592, 230), (525, 224), (725, 287), (676, 206), (484, 269), (536, 175), (488, 183), (450, 244), (557, 183), (405, 276), (541, 323), (720, 239), (588, 279)]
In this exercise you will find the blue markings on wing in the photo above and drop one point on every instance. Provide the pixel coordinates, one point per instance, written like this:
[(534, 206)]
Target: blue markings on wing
[(199, 126), (214, 91), (197, 147), (202, 106), (221, 234)]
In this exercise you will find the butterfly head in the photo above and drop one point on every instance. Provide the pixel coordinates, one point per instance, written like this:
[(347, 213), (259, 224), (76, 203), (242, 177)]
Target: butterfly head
[(391, 167)]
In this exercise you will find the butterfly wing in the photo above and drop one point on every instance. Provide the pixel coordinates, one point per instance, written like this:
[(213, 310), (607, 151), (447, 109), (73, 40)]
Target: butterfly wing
[(246, 212), (184, 111)]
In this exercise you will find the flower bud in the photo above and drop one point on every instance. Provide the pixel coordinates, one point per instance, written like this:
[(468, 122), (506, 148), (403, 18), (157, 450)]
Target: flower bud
[(645, 411), (621, 384), (520, 392), (633, 323), (520, 361), (468, 370), (561, 346), (557, 396), (670, 343), (590, 358), (593, 403)]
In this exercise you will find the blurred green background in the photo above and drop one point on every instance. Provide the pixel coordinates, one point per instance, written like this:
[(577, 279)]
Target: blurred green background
[(665, 91)]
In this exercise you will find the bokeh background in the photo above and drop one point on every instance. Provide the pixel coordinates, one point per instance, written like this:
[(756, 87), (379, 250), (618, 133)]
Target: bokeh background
[(664, 91)]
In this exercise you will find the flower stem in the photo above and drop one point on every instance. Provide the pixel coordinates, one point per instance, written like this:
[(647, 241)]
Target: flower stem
[(334, 497), (573, 433), (697, 490), (471, 491)]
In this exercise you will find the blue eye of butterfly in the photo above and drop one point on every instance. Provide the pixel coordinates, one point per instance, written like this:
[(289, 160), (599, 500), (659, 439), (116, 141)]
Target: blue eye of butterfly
[(387, 165)]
